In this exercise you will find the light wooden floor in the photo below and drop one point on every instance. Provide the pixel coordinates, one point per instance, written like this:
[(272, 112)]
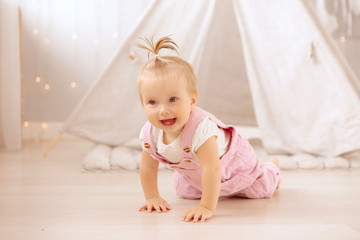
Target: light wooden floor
[(54, 199)]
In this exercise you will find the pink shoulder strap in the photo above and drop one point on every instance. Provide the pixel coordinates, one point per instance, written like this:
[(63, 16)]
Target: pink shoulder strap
[(148, 145), (147, 138), (197, 115)]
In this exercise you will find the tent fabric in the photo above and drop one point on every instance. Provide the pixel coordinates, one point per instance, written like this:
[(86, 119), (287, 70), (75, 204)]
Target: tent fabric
[(265, 63), (306, 99)]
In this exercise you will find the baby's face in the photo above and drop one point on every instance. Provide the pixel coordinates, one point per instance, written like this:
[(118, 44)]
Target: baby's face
[(167, 103)]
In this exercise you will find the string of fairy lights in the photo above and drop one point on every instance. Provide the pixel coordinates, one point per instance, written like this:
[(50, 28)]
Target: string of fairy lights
[(41, 34)]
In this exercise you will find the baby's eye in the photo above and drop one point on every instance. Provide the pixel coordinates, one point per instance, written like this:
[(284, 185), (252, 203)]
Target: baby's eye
[(152, 102), (173, 99)]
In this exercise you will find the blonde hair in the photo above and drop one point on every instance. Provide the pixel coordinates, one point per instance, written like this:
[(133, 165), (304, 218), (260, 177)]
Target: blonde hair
[(174, 66)]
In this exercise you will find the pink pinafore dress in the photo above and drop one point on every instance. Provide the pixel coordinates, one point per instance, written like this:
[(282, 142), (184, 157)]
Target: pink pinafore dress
[(241, 172)]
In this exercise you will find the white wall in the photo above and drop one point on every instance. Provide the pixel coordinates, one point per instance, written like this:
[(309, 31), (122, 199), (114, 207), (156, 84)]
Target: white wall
[(347, 33), (53, 52), (10, 131)]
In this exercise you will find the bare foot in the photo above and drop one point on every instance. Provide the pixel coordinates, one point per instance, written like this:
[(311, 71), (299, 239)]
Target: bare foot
[(275, 161)]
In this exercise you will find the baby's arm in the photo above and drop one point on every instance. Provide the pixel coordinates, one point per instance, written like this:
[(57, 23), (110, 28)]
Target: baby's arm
[(211, 177), (148, 177)]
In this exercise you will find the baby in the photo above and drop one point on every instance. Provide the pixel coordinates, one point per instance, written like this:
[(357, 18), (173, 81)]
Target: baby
[(210, 158)]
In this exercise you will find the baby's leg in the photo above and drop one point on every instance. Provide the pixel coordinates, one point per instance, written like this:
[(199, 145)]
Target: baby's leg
[(184, 188), (265, 184)]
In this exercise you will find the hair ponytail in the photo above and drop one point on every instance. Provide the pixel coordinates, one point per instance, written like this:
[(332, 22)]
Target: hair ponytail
[(154, 48), (166, 67)]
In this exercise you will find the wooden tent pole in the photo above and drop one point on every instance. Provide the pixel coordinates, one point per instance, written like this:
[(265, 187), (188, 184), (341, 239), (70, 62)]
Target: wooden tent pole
[(52, 145)]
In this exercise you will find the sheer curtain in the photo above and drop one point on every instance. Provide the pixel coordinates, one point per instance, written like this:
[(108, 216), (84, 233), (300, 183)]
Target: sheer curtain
[(10, 100)]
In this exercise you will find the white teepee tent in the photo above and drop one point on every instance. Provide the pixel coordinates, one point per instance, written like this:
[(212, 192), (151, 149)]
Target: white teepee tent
[(268, 60)]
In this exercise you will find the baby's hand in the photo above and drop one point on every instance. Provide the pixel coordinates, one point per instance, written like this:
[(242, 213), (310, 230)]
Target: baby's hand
[(197, 213), (158, 204)]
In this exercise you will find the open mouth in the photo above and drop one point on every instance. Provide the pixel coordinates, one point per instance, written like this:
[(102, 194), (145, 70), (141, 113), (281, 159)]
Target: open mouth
[(168, 122)]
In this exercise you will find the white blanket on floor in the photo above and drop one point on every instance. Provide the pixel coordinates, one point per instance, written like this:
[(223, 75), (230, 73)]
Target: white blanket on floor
[(104, 158)]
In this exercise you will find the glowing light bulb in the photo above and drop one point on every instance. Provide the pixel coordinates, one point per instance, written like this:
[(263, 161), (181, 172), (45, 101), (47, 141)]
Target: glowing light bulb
[(44, 125), (47, 41), (96, 42), (342, 39), (115, 35), (26, 124), (74, 36), (35, 31), (37, 79), (47, 87), (73, 85)]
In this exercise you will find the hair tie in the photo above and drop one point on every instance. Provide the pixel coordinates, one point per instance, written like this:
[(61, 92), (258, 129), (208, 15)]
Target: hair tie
[(156, 56)]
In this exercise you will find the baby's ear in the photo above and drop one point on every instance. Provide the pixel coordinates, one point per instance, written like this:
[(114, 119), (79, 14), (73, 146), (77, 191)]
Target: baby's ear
[(194, 99)]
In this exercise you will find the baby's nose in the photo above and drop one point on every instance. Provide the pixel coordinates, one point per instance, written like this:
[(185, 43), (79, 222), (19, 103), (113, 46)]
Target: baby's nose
[(164, 110)]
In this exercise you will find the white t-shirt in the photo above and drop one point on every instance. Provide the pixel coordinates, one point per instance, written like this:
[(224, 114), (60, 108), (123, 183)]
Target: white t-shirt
[(173, 151)]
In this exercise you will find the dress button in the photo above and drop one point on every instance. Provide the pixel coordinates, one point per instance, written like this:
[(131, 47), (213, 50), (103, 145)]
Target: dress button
[(187, 160), (187, 149), (146, 145)]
